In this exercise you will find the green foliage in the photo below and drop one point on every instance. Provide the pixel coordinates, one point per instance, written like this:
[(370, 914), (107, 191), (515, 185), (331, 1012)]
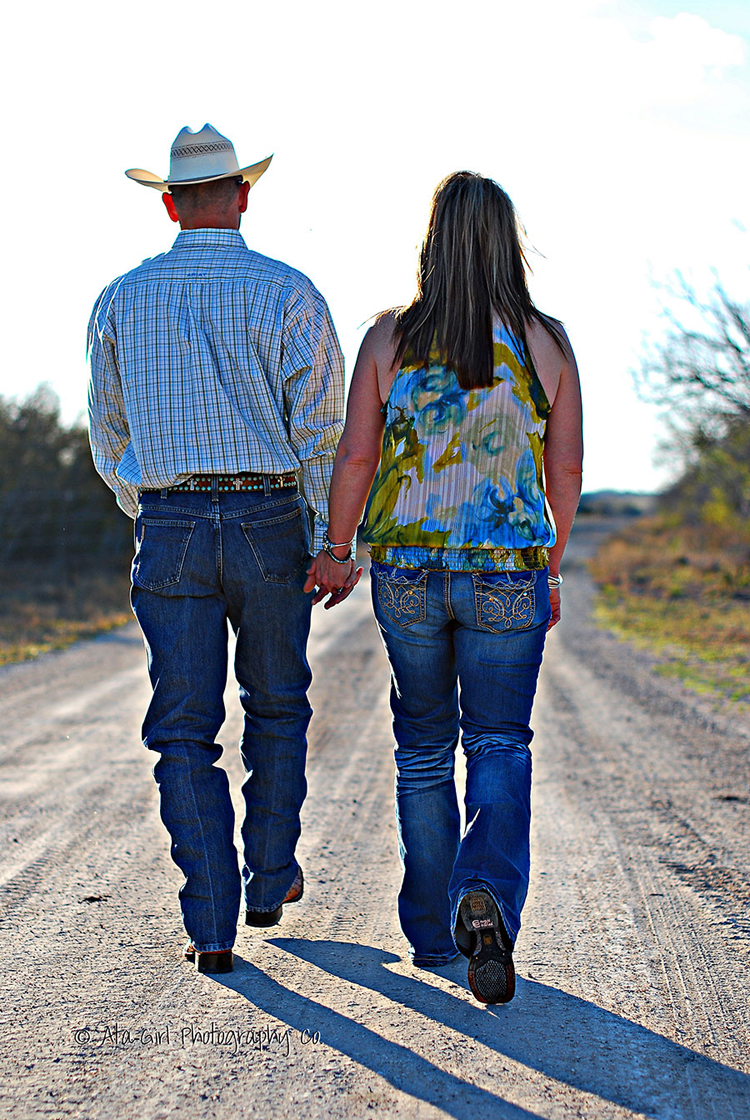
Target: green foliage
[(714, 490), (700, 371), (54, 508)]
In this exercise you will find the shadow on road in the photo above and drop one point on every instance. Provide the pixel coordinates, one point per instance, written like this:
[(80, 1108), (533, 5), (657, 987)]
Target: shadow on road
[(400, 1066), (563, 1037)]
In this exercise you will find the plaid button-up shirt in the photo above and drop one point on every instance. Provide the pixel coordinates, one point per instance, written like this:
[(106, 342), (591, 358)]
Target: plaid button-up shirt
[(212, 359)]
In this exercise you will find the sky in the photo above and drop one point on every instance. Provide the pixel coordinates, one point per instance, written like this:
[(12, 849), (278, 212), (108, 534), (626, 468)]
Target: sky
[(620, 130)]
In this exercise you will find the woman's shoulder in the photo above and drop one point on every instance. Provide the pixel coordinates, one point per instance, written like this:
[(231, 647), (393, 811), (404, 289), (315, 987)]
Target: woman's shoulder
[(382, 337), (379, 350), (385, 323), (549, 336), (551, 352)]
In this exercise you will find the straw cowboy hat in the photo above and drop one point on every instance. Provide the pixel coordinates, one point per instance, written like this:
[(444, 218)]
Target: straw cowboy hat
[(200, 157)]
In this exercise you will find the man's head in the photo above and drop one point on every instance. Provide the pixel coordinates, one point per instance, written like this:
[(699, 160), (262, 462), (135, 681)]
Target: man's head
[(213, 205), (208, 187)]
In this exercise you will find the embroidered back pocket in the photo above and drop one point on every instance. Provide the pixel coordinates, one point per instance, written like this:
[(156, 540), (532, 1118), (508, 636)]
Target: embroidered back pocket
[(504, 602), (402, 598)]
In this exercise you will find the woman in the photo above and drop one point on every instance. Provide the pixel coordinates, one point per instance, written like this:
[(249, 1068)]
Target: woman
[(468, 402)]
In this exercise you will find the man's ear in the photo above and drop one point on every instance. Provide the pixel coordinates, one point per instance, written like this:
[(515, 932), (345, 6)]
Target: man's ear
[(169, 203), (242, 199)]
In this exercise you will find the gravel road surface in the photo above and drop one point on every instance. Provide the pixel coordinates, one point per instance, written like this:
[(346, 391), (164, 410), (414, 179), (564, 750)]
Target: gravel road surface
[(633, 962)]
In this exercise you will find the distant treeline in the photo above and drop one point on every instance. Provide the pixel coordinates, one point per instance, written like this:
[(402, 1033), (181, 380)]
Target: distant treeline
[(616, 503), (54, 508), (701, 372), (713, 493)]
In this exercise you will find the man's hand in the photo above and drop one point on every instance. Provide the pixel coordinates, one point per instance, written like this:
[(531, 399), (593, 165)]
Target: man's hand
[(332, 579)]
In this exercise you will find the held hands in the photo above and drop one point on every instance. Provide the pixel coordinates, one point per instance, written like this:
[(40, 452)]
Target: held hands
[(336, 580)]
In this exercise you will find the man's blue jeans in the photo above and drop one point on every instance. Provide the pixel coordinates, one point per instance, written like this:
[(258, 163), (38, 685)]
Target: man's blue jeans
[(200, 560), (482, 632)]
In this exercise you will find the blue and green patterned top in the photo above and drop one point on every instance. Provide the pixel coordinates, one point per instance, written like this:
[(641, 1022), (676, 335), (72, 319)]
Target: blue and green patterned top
[(460, 483)]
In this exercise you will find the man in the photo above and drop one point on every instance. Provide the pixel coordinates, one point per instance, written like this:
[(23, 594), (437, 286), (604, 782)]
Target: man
[(217, 386)]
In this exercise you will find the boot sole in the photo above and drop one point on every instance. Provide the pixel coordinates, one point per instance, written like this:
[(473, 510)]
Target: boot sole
[(491, 975)]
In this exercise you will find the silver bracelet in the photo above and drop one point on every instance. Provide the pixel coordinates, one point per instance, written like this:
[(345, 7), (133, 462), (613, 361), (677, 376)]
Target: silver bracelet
[(554, 581), (328, 547)]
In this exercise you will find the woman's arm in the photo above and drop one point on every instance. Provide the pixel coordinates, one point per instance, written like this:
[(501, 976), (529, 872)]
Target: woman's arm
[(356, 462), (563, 459)]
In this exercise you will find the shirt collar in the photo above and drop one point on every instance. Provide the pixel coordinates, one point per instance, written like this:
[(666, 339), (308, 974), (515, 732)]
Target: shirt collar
[(209, 239)]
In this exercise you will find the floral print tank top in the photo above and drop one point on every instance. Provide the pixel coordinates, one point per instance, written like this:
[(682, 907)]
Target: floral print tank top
[(460, 483)]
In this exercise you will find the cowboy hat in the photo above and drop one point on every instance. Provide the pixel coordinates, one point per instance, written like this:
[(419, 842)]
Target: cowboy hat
[(200, 157)]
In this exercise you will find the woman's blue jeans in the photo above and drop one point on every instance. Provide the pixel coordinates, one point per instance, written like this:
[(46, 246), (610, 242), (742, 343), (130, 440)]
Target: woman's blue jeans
[(203, 560), (483, 634)]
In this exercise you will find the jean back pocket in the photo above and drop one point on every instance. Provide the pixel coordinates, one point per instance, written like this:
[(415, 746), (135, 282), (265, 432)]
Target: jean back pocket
[(401, 594), (279, 545), (161, 547), (505, 601)]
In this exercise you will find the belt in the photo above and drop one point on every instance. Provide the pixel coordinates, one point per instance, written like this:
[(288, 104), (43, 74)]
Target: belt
[(232, 483)]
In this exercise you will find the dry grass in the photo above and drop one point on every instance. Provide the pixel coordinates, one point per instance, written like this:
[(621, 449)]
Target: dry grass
[(678, 592), (40, 611)]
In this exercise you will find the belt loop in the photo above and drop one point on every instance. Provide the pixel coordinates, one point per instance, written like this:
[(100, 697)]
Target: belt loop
[(165, 493), (214, 488), (266, 484)]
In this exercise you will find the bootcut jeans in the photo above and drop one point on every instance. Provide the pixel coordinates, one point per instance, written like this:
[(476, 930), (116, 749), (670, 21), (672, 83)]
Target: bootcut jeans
[(482, 632), (202, 560)]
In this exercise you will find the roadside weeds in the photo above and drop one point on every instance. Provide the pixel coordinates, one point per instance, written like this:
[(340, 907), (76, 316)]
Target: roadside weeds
[(40, 611), (672, 590)]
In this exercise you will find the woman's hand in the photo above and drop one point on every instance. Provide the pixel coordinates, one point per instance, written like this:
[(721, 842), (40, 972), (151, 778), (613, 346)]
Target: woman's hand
[(332, 579), (554, 602)]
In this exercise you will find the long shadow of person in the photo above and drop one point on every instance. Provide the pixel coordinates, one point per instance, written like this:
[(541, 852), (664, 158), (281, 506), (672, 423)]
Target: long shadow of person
[(560, 1035), (406, 1070)]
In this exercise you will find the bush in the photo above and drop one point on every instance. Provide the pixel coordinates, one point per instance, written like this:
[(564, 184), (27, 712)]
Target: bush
[(54, 508)]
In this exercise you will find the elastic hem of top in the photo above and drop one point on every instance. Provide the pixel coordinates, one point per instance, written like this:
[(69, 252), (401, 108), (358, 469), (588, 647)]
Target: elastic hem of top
[(530, 559)]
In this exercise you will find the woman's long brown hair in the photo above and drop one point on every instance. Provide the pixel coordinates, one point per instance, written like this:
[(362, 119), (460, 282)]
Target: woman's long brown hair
[(472, 266)]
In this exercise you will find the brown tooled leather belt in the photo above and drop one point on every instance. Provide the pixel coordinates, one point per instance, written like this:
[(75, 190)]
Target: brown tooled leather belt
[(231, 483)]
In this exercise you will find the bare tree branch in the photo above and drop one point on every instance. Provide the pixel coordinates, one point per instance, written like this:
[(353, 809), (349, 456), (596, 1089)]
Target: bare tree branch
[(701, 368)]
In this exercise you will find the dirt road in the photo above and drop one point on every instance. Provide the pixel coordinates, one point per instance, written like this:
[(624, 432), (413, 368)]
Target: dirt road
[(633, 960)]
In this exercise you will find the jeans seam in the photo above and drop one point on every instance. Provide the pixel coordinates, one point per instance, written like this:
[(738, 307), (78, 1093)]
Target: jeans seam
[(447, 594), (205, 855), (246, 511)]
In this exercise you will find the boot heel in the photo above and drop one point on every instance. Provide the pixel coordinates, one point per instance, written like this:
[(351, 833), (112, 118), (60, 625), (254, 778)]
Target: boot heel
[(222, 961)]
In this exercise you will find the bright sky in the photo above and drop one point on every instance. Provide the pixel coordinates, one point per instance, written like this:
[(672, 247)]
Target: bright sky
[(620, 130)]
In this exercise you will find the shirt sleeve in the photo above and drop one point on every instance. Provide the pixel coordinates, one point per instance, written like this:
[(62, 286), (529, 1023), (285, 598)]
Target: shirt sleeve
[(313, 372), (108, 427)]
